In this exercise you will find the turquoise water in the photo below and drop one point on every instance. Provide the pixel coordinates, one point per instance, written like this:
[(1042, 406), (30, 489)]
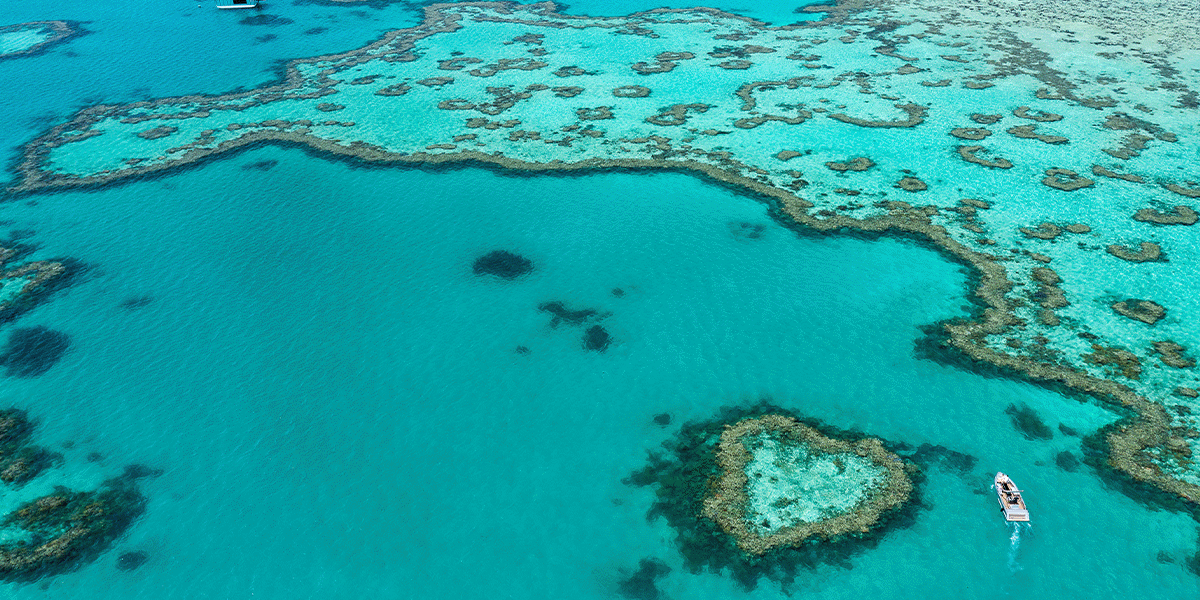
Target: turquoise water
[(340, 412)]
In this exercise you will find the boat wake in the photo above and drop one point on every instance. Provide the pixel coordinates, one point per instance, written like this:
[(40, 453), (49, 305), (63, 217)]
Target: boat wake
[(1014, 544)]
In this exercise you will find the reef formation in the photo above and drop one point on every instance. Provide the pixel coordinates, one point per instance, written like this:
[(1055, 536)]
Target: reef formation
[(20, 460), (24, 284), (782, 482), (35, 37), (1028, 155), (65, 528), (59, 531), (760, 492)]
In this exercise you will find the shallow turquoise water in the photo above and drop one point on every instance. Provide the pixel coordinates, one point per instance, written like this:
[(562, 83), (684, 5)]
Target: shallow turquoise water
[(337, 404)]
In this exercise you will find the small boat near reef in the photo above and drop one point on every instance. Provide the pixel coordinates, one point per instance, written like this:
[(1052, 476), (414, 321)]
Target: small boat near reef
[(227, 4), (1011, 503)]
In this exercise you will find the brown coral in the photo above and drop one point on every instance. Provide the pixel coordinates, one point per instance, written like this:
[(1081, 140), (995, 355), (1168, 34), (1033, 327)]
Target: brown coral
[(971, 155), (1066, 180), (861, 163), (728, 496), (1180, 215), (1172, 355), (1146, 311), (1145, 252)]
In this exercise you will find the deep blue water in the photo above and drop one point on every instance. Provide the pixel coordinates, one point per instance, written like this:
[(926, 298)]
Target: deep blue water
[(337, 402)]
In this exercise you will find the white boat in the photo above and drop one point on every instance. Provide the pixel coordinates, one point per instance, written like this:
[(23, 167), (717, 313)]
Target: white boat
[(1011, 503), (227, 4)]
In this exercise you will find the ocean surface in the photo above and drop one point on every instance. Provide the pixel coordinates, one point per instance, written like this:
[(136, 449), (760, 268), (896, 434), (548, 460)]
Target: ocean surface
[(338, 404)]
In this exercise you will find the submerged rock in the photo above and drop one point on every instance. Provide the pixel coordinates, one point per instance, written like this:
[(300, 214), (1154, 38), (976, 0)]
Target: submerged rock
[(503, 264), (1066, 461), (130, 561), (31, 351), (21, 461), (596, 338), (564, 315), (1146, 311), (1028, 422), (643, 583), (136, 302)]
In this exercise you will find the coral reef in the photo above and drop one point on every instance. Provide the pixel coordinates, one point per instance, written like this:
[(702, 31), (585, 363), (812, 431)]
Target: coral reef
[(643, 583), (861, 163), (64, 529), (874, 479), (48, 35), (971, 155), (1118, 361), (1066, 461), (1044, 231), (20, 460), (1145, 252), (30, 281), (503, 264), (131, 561), (970, 133), (596, 338), (1146, 311), (1180, 215), (1066, 180), (697, 479), (747, 231), (562, 314), (1172, 355), (67, 528), (31, 351), (912, 184), (1028, 422), (717, 132)]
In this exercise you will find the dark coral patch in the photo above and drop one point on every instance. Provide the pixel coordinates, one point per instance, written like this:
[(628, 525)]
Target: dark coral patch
[(130, 561), (21, 461), (503, 264), (1027, 421), (136, 302), (1066, 461), (747, 231), (946, 458), (68, 529), (912, 184), (643, 583), (562, 314), (631, 91), (266, 20), (31, 351), (262, 165), (596, 339)]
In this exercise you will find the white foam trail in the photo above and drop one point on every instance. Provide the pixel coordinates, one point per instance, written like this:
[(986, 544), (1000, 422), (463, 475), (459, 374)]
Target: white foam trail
[(1014, 545)]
